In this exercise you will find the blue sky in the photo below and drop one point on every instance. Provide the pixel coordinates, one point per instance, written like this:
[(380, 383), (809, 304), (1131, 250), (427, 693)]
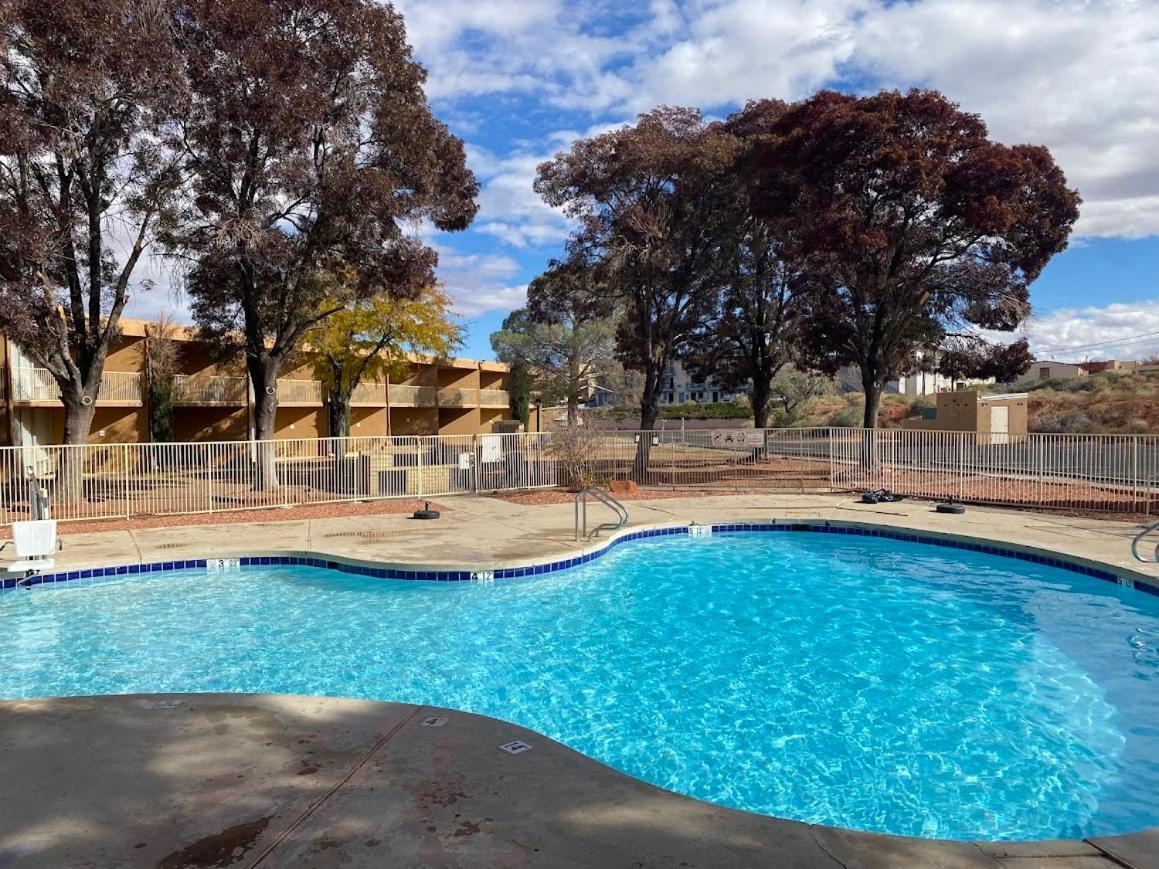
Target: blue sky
[(519, 80)]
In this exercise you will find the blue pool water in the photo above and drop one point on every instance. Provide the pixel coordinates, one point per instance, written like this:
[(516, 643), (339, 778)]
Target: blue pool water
[(861, 682)]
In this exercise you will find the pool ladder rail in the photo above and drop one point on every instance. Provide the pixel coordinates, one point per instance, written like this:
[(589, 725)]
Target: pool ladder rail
[(1147, 558), (605, 498)]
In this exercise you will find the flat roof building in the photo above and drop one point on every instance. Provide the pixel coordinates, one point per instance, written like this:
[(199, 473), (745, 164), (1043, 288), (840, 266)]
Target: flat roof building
[(212, 401)]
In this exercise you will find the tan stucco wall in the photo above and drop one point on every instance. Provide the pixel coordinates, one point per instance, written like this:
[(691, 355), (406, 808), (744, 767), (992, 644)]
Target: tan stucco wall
[(457, 422), (958, 411), (126, 354), (301, 422), (210, 424), (414, 421), (367, 421)]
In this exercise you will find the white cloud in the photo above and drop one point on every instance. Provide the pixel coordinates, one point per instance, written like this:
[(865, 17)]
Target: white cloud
[(512, 211), (1113, 328), (1080, 76), (481, 282)]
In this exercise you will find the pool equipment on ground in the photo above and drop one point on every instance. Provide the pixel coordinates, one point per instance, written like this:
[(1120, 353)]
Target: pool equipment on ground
[(426, 512)]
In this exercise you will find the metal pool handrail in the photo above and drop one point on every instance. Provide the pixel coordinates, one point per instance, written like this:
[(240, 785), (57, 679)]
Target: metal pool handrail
[(605, 498), (1139, 539)]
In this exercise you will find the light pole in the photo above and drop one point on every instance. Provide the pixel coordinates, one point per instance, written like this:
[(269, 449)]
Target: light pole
[(538, 414)]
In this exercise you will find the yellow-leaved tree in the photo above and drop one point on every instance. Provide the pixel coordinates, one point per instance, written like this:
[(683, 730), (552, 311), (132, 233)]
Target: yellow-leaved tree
[(371, 339)]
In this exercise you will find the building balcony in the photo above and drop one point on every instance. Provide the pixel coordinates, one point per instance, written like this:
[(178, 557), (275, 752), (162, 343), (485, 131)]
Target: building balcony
[(455, 397), (371, 394), (36, 385), (300, 393), (494, 398), (413, 396), (196, 390)]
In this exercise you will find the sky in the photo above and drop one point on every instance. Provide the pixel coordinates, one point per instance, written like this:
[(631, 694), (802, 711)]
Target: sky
[(519, 80)]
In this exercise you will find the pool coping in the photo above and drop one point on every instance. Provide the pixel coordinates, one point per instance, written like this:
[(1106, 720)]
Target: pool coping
[(522, 568)]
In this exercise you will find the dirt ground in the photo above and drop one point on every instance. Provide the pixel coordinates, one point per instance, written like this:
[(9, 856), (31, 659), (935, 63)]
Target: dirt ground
[(277, 514)]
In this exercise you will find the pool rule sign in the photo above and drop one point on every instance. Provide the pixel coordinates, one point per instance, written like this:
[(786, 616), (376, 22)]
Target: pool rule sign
[(726, 439)]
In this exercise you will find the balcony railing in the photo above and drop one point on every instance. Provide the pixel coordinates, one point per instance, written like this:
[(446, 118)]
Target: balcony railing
[(413, 396), (453, 396), (300, 392), (371, 394), (37, 384), (494, 398), (203, 390)]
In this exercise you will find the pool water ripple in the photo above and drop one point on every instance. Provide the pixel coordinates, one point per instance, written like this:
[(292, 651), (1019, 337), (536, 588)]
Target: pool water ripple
[(861, 682)]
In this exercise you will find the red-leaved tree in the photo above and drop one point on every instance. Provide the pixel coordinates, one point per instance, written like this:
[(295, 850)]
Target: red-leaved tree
[(312, 149), (915, 229), (647, 202), (86, 87)]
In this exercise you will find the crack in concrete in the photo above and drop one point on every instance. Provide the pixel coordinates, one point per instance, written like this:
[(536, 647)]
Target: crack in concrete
[(341, 783)]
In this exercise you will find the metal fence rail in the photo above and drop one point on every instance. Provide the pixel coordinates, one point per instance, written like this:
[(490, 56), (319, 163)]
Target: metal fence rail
[(1118, 473)]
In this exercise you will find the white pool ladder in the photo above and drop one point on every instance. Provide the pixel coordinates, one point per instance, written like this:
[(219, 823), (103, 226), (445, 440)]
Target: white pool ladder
[(1148, 558), (605, 498)]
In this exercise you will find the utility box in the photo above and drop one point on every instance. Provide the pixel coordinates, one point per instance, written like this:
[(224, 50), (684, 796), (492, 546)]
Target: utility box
[(998, 418)]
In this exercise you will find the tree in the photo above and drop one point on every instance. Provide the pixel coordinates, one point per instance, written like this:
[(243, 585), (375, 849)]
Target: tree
[(161, 360), (571, 337), (915, 227), (509, 349), (747, 340), (646, 199), (84, 181), (312, 148), (969, 357), (370, 340), (791, 388)]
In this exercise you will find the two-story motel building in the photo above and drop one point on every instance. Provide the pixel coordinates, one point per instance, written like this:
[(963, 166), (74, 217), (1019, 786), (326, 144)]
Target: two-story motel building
[(213, 402)]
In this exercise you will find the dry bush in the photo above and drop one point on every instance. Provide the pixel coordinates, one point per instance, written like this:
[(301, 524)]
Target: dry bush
[(577, 449)]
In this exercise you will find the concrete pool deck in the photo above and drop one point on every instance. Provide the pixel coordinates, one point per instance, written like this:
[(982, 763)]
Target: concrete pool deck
[(481, 533), (223, 780), (201, 780)]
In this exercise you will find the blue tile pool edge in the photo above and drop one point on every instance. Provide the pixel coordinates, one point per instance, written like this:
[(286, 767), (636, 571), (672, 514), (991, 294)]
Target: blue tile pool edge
[(420, 573)]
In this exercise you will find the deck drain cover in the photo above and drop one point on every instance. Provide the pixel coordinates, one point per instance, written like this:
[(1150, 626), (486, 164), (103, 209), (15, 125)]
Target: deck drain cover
[(434, 722), (515, 747)]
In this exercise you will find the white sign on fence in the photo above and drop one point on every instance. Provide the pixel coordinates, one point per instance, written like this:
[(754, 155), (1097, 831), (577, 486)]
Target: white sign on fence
[(491, 448), (751, 438)]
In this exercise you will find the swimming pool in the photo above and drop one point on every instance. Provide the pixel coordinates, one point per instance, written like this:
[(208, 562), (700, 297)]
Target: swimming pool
[(861, 682)]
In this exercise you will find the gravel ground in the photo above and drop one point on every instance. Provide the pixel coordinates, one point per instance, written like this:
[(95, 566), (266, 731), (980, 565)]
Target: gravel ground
[(275, 514), (556, 496)]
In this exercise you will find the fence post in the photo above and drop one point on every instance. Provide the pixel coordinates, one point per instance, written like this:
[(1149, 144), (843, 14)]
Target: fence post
[(209, 456), (475, 463), (419, 462), (1135, 471), (125, 481)]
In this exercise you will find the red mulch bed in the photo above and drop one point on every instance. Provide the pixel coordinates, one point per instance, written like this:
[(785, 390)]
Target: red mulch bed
[(558, 496), (273, 514)]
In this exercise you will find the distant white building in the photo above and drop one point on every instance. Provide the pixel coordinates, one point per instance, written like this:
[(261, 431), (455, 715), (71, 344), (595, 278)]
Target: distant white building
[(848, 381), (679, 387), (1048, 369), (931, 383)]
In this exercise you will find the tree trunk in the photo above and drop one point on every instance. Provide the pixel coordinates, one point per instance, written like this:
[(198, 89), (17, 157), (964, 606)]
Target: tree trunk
[(760, 401), (649, 411), (869, 457), (264, 376), (339, 414), (872, 405), (78, 422)]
